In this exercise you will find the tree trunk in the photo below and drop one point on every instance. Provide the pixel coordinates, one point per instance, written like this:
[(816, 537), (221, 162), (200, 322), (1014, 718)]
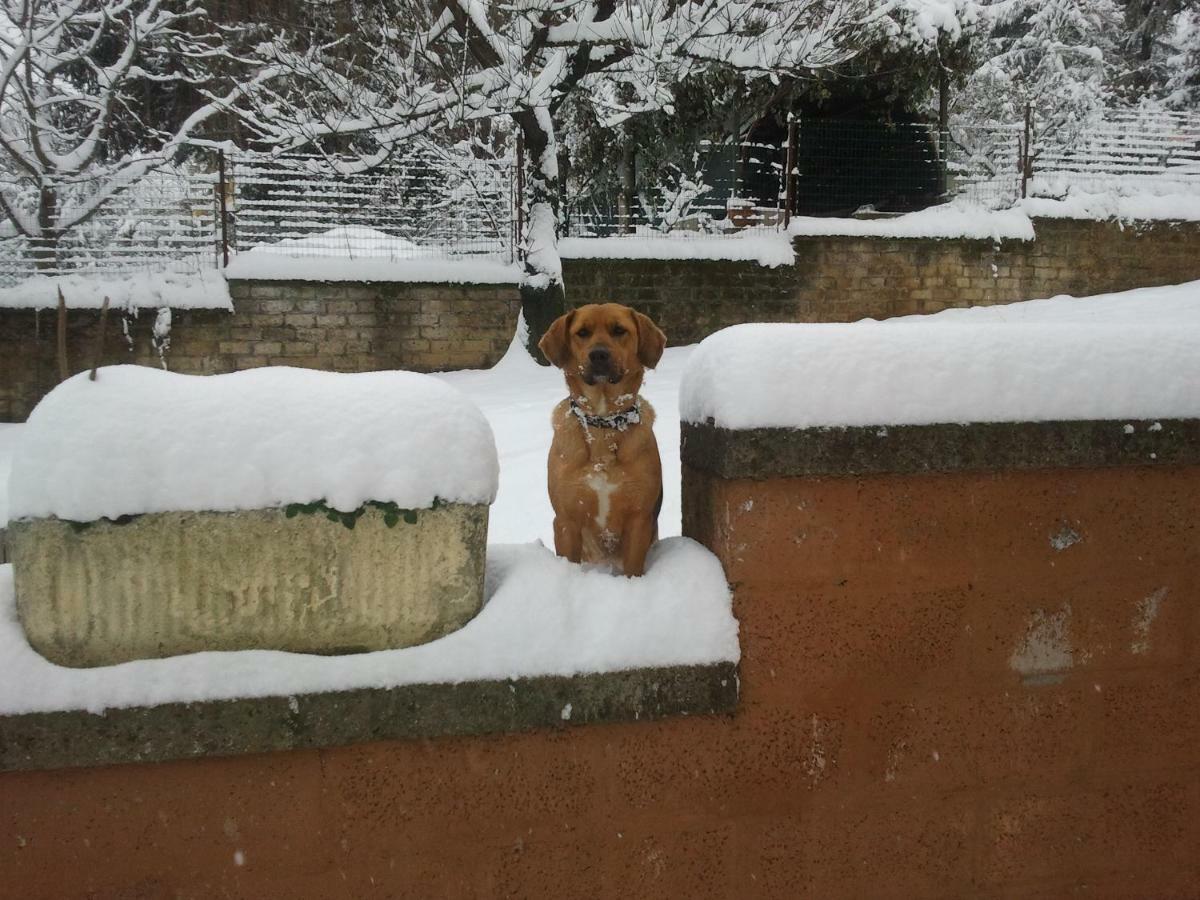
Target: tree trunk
[(44, 247), (628, 174), (543, 298)]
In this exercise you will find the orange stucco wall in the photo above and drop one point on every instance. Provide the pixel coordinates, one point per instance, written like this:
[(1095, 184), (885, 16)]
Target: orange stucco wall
[(954, 685)]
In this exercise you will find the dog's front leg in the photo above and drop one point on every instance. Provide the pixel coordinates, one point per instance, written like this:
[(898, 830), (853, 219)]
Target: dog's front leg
[(568, 539), (635, 543)]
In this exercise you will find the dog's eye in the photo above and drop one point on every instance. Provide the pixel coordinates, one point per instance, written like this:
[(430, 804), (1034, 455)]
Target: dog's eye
[(618, 330), (583, 333)]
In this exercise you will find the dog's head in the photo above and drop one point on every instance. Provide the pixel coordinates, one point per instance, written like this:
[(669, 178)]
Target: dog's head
[(603, 343)]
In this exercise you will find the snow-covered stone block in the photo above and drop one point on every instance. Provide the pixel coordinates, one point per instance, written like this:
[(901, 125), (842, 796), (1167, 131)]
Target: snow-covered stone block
[(156, 514)]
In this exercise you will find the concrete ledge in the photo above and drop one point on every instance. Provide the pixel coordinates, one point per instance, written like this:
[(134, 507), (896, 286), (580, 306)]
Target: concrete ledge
[(978, 446), (231, 727)]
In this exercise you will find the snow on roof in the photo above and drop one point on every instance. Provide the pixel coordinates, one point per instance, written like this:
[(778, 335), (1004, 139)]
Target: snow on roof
[(543, 616), (1003, 364), (128, 290), (141, 440)]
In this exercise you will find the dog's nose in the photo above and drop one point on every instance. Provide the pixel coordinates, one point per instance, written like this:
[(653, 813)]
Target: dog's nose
[(599, 356)]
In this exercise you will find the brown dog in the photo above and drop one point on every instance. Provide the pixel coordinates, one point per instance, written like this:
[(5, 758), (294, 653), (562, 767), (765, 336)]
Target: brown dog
[(605, 475)]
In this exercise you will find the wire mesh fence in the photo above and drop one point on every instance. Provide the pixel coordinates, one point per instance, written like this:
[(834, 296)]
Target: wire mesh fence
[(425, 205), (167, 220), (1153, 152), (838, 167), (722, 188), (437, 203)]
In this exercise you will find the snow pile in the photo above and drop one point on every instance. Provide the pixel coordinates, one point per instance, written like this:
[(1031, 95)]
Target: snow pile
[(952, 220), (359, 253), (141, 440), (130, 290), (766, 248), (543, 616), (922, 370), (349, 242)]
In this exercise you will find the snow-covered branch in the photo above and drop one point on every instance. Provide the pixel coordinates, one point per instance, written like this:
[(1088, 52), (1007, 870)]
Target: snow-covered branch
[(75, 124)]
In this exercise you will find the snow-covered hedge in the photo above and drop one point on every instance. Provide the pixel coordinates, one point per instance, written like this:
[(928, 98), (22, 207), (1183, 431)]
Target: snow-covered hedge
[(140, 440)]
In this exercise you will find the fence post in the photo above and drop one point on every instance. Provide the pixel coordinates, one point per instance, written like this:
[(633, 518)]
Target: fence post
[(224, 210), (1026, 156), (520, 236), (790, 169)]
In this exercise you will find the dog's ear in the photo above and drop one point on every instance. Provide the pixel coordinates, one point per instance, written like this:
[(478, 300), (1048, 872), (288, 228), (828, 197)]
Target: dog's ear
[(651, 341), (554, 343)]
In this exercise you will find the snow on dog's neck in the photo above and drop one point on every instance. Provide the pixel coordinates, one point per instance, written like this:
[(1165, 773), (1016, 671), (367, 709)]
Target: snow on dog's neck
[(604, 398)]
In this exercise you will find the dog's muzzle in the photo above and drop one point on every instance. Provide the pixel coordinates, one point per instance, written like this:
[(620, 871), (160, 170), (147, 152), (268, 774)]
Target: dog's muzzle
[(601, 367)]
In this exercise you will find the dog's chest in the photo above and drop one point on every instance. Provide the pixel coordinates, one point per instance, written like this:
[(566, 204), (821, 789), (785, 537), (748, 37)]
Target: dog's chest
[(603, 486)]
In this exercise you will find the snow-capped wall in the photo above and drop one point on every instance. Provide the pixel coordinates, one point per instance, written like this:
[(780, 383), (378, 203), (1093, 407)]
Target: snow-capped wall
[(917, 372), (140, 440)]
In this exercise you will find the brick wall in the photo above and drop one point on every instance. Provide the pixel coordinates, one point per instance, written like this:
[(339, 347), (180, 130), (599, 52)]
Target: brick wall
[(842, 279), (427, 327), (336, 326)]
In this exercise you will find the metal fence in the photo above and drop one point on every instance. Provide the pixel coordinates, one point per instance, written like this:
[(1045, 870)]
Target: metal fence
[(426, 205), (842, 167), (435, 203), (167, 220)]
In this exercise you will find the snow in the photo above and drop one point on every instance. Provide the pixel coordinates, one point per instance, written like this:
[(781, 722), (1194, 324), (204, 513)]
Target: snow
[(952, 220), (769, 249), (1179, 207), (349, 242), (1135, 355), (543, 616), (254, 265), (141, 440), (132, 290), (360, 253), (8, 443)]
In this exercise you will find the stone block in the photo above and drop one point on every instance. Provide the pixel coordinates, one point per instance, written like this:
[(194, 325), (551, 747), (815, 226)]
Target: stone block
[(161, 584)]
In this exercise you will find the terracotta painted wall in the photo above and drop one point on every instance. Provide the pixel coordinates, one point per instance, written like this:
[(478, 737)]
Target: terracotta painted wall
[(964, 684)]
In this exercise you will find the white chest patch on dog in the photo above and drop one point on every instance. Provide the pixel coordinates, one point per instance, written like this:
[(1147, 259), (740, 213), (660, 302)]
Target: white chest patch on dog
[(603, 489)]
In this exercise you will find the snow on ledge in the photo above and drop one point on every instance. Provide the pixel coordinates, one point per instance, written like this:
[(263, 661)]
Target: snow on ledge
[(141, 440), (256, 266), (1182, 207), (950, 221), (912, 372), (134, 290), (543, 616), (770, 249)]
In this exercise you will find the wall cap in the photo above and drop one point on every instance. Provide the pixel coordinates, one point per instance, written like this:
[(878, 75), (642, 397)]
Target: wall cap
[(52, 740), (974, 447)]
